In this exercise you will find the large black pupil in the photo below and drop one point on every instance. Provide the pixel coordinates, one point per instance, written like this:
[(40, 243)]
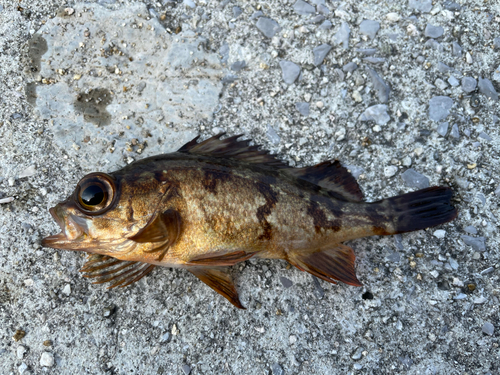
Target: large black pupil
[(93, 195)]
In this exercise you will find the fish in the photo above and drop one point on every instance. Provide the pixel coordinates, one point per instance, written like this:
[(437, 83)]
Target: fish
[(216, 203)]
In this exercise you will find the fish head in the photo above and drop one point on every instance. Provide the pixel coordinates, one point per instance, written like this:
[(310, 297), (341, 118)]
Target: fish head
[(103, 212)]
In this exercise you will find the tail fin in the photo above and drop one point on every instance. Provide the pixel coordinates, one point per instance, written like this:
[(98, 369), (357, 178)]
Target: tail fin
[(421, 209)]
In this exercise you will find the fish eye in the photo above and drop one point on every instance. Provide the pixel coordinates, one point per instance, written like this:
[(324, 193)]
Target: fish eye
[(95, 193)]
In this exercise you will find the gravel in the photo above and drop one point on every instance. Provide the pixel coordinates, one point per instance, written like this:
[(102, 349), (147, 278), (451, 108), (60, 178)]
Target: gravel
[(439, 107), (477, 243), (488, 328), (124, 80), (303, 8), (377, 113), (423, 6), (290, 71), (268, 27), (486, 88), (379, 85), (432, 31), (442, 128), (342, 35), (413, 179), (320, 53), (47, 359), (369, 28), (303, 108)]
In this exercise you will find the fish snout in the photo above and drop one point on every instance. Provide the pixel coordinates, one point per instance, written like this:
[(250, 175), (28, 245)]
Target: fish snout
[(70, 230)]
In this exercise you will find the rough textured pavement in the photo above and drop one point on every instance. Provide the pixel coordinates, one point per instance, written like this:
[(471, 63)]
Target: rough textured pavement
[(404, 93)]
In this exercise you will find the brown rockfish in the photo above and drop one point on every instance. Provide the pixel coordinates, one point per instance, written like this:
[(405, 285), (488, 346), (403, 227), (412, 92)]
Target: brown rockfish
[(216, 203)]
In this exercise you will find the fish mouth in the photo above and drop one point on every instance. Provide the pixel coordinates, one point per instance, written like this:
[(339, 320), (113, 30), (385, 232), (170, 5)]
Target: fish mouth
[(71, 233)]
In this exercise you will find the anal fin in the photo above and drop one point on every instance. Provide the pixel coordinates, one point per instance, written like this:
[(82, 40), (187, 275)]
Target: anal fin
[(334, 264), (120, 272), (220, 281)]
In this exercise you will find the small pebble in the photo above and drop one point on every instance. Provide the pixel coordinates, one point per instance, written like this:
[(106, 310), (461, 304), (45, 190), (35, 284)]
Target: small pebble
[(20, 351), (23, 367), (277, 369), (477, 243), (377, 113), (189, 3), (292, 339), (442, 129), (456, 49), (392, 17), (423, 6), (454, 133), (406, 161), (237, 11), (327, 25), (303, 108), (432, 31), (369, 28), (268, 27), (238, 65), (290, 71), (440, 233), (443, 68), (6, 200), (379, 85), (67, 290), (358, 354), (486, 88), (342, 35), (350, 67), (390, 171), (47, 359), (28, 172), (287, 283), (414, 179), (303, 8), (186, 369), (470, 229), (439, 107), (480, 300), (488, 328), (11, 181), (320, 53), (453, 81)]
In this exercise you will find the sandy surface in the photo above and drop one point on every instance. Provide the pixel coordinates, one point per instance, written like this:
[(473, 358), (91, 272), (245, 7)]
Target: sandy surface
[(408, 100)]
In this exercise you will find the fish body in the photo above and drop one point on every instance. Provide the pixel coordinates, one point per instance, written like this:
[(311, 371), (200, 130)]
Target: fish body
[(213, 204)]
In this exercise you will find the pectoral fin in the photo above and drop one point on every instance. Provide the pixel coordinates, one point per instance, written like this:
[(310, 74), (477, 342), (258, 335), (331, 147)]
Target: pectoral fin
[(163, 230), (122, 272), (220, 281), (336, 263)]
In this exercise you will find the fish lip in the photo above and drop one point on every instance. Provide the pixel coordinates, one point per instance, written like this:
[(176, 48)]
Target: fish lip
[(61, 240)]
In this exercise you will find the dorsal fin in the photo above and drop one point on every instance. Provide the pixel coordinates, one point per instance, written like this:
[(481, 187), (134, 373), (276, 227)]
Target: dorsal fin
[(333, 177), (231, 148)]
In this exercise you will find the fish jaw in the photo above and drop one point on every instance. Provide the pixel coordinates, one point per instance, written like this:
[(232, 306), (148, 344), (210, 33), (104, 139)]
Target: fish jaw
[(74, 230)]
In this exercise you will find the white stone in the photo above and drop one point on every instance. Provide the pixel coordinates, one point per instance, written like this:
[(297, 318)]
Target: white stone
[(67, 289), (20, 352), (392, 17), (440, 233), (28, 172), (390, 171), (47, 359)]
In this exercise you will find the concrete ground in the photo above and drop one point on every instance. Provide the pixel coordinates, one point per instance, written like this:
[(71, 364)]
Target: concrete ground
[(403, 93)]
